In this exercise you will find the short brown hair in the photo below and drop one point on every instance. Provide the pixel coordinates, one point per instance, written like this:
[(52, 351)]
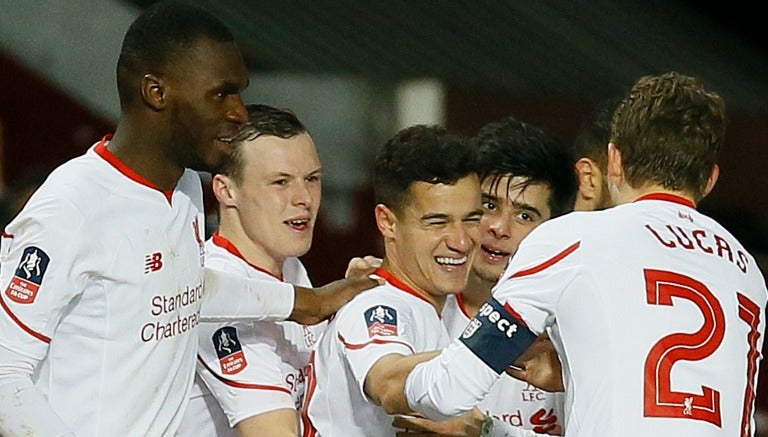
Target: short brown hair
[(669, 130)]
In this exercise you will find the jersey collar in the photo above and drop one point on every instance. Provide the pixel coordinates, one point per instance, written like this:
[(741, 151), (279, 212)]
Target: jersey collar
[(667, 197), (227, 245), (107, 155), (389, 277)]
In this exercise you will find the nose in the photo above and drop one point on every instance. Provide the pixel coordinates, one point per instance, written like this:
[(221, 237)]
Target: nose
[(499, 225), (237, 112), (301, 194), (462, 237)]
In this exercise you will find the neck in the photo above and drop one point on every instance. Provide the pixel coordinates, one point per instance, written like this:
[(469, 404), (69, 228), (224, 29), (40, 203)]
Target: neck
[(478, 291), (253, 253), (627, 194), (142, 153), (437, 300)]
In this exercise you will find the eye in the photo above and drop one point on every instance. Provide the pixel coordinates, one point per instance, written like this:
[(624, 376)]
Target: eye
[(525, 216), (313, 178), (280, 182), (473, 221), (489, 205)]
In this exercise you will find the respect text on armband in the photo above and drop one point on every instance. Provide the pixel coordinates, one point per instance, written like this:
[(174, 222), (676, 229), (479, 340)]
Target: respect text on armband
[(496, 336)]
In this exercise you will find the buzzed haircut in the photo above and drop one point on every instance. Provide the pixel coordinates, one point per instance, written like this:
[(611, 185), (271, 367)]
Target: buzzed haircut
[(595, 134), (262, 120), (669, 130), (160, 34), (513, 148), (419, 153)]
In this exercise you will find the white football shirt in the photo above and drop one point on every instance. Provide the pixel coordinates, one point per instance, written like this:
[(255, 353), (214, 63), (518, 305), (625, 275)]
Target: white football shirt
[(102, 284), (247, 368), (657, 312), (510, 401), (388, 319)]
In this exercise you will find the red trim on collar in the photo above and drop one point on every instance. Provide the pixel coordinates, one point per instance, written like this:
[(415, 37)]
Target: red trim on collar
[(227, 245), (667, 198), (462, 305), (102, 150), (389, 277)]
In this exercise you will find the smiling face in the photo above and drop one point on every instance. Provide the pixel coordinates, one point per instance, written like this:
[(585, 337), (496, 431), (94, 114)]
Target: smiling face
[(431, 243), (275, 204), (205, 108), (508, 216)]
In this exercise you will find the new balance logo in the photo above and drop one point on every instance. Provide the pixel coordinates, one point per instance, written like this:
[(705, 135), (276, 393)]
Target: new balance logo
[(153, 262)]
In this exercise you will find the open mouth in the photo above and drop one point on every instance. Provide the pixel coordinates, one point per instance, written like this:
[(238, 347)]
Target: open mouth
[(494, 254), (298, 224), (451, 262)]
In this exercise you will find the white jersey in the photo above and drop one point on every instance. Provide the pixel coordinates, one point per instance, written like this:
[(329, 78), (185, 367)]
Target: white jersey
[(102, 277), (102, 283), (657, 313), (247, 368), (510, 401), (388, 319)]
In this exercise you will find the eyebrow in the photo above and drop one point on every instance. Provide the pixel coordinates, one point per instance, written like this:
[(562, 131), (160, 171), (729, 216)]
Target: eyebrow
[(518, 205)]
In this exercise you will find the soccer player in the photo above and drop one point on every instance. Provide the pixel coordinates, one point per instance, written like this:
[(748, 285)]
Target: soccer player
[(102, 271), (526, 178), (591, 154), (250, 374), (428, 211), (656, 311)]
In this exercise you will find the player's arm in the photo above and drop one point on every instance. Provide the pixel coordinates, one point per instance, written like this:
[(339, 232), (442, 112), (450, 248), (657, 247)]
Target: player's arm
[(385, 382), (460, 377), (24, 410), (27, 326), (254, 299), (472, 424), (277, 423)]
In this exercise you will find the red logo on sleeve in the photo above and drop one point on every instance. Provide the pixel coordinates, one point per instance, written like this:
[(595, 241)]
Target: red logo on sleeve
[(381, 320), (28, 276), (229, 350)]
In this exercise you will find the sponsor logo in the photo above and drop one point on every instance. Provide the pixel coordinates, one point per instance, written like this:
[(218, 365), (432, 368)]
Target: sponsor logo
[(153, 262), (381, 320), (229, 350), (28, 276), (496, 337), (502, 323)]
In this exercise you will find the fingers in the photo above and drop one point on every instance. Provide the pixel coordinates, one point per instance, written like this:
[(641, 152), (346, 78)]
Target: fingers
[(362, 266)]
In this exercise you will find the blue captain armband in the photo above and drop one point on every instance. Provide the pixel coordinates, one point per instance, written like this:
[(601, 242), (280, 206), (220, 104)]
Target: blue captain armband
[(496, 336)]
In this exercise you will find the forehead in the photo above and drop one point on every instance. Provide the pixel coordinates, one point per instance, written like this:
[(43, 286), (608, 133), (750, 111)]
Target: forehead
[(209, 60), (457, 200), (269, 153), (517, 188)]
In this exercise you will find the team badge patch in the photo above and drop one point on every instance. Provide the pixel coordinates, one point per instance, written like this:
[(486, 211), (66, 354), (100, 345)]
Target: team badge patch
[(28, 276), (381, 320), (229, 350)]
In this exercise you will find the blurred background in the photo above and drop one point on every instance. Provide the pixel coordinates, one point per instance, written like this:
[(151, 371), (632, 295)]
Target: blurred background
[(355, 72)]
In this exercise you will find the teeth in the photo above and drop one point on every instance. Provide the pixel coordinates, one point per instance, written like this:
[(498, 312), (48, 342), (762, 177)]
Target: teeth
[(297, 222), (495, 252), (451, 261)]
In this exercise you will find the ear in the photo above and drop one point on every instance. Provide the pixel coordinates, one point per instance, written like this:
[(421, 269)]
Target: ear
[(223, 189), (386, 220), (153, 91), (615, 169), (713, 176), (588, 176)]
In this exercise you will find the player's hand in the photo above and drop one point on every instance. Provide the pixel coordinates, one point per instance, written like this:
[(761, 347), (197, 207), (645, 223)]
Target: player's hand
[(313, 305), (362, 266), (468, 425), (540, 366)]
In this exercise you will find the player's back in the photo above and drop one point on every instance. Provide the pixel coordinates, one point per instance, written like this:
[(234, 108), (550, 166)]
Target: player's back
[(662, 325)]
